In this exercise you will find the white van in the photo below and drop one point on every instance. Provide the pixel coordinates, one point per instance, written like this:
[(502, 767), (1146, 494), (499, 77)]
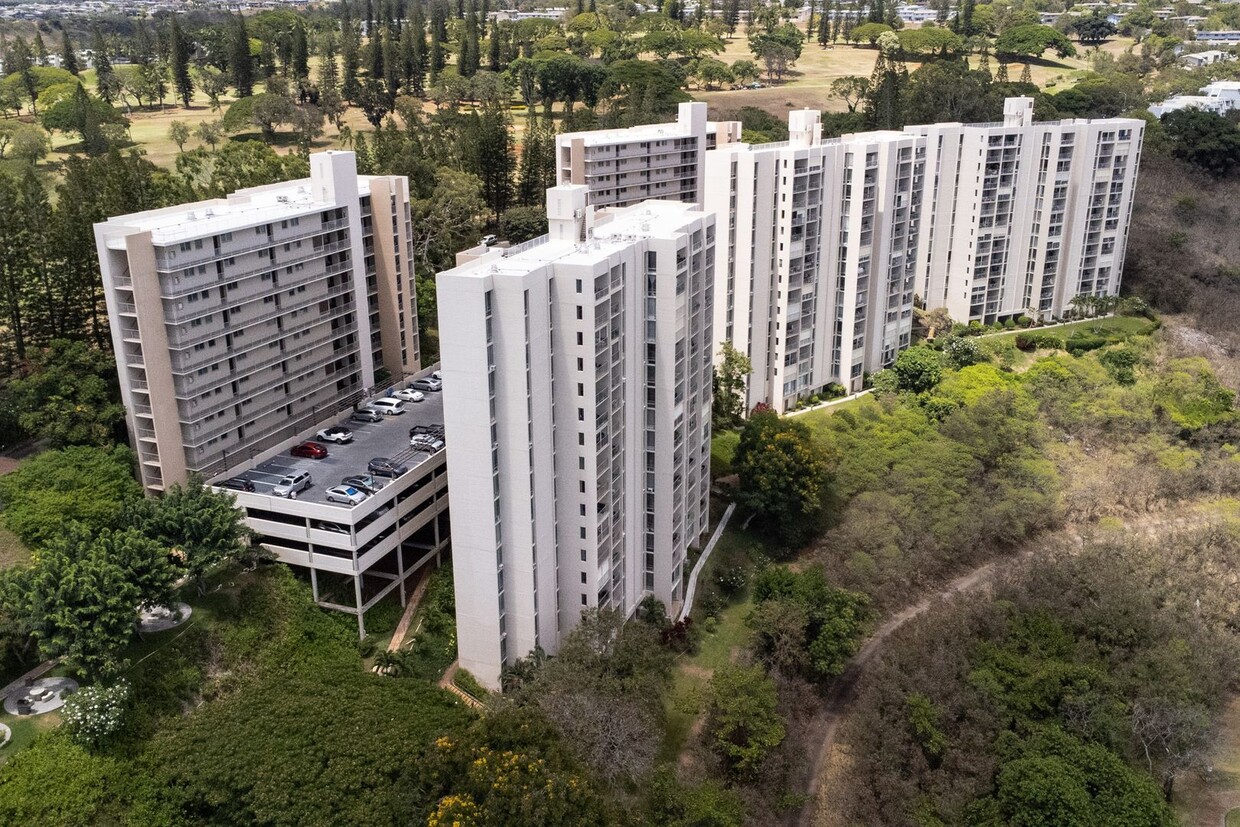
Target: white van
[(290, 485)]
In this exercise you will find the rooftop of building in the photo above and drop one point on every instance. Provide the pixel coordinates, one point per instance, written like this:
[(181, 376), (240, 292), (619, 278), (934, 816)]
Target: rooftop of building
[(389, 439), (612, 230), (243, 208)]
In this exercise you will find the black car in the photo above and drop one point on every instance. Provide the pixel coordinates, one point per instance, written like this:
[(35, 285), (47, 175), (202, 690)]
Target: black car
[(384, 467), (238, 484), (421, 429), (362, 482)]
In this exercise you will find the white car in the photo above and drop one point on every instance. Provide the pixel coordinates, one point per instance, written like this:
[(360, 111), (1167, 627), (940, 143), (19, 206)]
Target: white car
[(425, 442), (388, 405), (437, 375), (338, 434), (346, 494), (408, 395)]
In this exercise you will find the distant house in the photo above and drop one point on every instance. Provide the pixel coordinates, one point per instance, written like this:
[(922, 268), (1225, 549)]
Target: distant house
[(1219, 97), (1220, 38), (1199, 59)]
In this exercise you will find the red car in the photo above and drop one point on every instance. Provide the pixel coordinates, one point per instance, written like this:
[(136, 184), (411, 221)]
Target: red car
[(309, 450)]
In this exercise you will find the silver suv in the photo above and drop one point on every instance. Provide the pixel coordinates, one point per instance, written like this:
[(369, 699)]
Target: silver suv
[(291, 485)]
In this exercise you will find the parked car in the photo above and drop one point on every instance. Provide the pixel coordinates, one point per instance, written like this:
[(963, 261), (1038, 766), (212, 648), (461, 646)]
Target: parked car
[(338, 434), (389, 405), (291, 485), (366, 415), (427, 383), (425, 442), (324, 525), (237, 484), (309, 450), (362, 482), (488, 240), (424, 429), (346, 494), (384, 467), (408, 395), (437, 375)]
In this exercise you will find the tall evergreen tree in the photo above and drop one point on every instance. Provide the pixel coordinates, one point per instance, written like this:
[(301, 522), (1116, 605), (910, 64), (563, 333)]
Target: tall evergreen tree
[(438, 25), (68, 55), (299, 55), (240, 61), (107, 84), (494, 60), (393, 69), (39, 48), (418, 51), (179, 58), (468, 57), (330, 101), (350, 47), (885, 98)]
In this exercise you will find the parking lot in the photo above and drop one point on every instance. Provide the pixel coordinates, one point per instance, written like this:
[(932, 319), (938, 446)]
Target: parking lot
[(389, 438)]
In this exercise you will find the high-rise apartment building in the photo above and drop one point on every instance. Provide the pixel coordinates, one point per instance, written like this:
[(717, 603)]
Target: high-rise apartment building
[(1023, 216), (815, 270), (242, 325), (621, 167), (239, 322), (577, 385), (828, 241)]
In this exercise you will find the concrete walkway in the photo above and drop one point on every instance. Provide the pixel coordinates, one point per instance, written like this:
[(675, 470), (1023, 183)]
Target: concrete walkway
[(411, 608), (701, 562), (831, 403)]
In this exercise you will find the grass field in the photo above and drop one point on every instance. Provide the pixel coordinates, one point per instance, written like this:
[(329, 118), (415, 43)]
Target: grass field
[(12, 552), (808, 85), (1106, 326)]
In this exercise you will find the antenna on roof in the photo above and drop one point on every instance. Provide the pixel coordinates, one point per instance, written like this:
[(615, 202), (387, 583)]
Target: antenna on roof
[(210, 213)]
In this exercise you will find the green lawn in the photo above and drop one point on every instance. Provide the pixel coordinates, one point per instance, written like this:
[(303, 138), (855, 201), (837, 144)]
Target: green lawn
[(686, 700), (25, 730), (817, 420), (1233, 818), (722, 451), (1110, 325)]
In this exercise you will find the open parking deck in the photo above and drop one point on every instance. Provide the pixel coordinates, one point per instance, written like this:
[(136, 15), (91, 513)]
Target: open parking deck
[(389, 438)]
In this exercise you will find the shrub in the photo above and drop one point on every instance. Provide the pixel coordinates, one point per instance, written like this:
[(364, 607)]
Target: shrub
[(466, 682), (95, 713), (732, 580), (1077, 345)]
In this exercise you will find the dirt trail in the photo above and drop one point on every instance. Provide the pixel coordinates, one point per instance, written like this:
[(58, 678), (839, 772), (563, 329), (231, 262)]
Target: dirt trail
[(843, 691)]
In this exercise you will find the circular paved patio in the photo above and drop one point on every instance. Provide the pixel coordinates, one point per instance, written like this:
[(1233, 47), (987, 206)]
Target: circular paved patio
[(43, 695), (160, 618)]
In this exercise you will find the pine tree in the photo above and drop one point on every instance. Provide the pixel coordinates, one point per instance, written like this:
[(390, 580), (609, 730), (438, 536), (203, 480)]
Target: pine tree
[(393, 68), (179, 58), (105, 76), (468, 59), (40, 49), (350, 86), (824, 25), (21, 63), (438, 27), (1001, 76), (240, 61), (300, 53), (68, 55), (884, 100), (330, 101), (417, 67), (494, 62), (1026, 75)]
